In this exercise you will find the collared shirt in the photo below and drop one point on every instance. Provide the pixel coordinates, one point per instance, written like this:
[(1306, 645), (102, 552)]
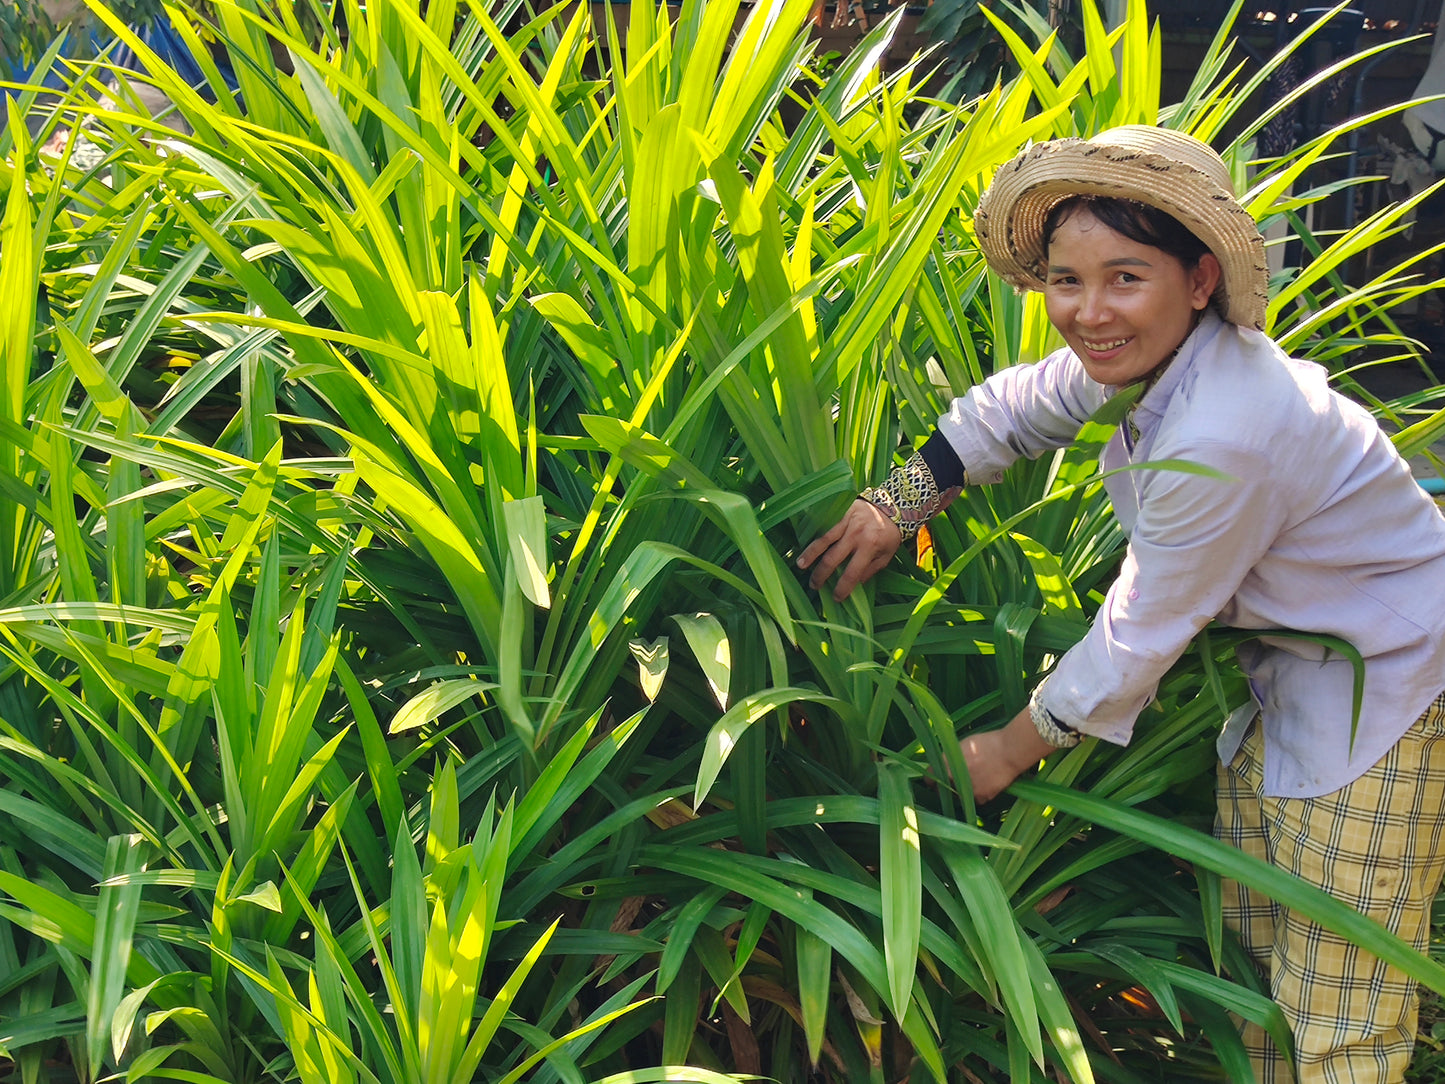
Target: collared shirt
[(1316, 526)]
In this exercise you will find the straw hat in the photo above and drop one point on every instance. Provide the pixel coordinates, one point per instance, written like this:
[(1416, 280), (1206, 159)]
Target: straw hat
[(1163, 168)]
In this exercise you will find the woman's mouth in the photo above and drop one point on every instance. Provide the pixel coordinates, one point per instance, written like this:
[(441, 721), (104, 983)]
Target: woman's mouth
[(1105, 346)]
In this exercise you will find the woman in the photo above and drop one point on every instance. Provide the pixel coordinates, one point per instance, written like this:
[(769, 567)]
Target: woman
[(1154, 275)]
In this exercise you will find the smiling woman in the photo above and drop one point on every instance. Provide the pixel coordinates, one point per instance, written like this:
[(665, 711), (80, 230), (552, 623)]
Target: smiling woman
[(1121, 304), (1154, 275)]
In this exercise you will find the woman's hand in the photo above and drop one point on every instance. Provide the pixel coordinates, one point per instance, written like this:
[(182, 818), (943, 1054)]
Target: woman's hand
[(865, 538), (996, 758)]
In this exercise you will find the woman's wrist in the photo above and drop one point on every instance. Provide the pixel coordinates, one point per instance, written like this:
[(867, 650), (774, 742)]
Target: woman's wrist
[(1024, 746), (908, 497), (911, 495), (1051, 729)]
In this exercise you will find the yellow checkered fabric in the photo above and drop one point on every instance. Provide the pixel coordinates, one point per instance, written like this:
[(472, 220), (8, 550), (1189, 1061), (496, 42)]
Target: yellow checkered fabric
[(1377, 844)]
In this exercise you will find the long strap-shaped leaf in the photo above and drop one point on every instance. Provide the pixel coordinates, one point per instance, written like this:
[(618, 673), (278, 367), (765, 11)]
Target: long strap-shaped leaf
[(1192, 846)]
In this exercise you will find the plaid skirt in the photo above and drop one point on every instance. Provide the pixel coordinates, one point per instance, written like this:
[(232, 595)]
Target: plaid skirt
[(1378, 845)]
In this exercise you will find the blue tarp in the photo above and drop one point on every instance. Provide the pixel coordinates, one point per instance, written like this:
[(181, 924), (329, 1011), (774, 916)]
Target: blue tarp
[(169, 46), (159, 36)]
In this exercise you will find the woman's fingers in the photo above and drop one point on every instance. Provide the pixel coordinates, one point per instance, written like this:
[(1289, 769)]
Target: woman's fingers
[(862, 568), (828, 556), (820, 544), (864, 538)]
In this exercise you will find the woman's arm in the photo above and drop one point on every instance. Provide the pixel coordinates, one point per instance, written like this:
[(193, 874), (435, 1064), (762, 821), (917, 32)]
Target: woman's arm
[(1022, 411), (995, 758), (1196, 540), (883, 517)]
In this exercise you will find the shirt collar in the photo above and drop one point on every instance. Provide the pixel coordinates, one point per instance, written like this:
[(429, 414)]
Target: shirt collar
[(1155, 401)]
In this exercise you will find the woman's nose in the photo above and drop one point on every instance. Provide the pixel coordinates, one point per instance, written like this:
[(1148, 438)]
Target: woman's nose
[(1093, 306)]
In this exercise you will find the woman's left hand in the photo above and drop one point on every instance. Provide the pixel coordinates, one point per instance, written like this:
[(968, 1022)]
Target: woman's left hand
[(995, 758)]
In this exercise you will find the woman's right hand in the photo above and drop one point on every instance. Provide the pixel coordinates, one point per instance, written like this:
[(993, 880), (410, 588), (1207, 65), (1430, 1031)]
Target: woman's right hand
[(865, 538)]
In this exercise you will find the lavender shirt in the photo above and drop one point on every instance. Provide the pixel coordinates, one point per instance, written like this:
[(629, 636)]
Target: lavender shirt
[(1319, 527)]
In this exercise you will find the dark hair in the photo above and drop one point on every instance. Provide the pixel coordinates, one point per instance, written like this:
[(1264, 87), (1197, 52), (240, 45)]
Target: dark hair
[(1139, 222)]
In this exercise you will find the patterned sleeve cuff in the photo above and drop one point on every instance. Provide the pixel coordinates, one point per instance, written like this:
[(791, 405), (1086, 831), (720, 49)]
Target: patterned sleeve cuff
[(910, 497), (1050, 729)]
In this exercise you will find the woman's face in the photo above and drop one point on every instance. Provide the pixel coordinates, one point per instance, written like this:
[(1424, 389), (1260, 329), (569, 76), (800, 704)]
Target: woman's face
[(1121, 306)]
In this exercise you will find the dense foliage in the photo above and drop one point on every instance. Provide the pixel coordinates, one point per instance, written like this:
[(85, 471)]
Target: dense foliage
[(405, 674)]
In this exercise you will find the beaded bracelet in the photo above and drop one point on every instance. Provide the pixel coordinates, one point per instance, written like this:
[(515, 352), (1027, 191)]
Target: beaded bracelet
[(1050, 729), (909, 498)]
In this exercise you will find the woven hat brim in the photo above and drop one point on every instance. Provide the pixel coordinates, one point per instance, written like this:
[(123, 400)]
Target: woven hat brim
[(1009, 222)]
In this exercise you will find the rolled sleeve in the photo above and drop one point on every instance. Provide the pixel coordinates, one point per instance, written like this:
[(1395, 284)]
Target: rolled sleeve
[(1196, 540), (1022, 411)]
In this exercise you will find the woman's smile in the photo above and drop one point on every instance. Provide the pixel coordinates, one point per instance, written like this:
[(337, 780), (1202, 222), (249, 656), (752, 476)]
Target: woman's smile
[(1104, 348)]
